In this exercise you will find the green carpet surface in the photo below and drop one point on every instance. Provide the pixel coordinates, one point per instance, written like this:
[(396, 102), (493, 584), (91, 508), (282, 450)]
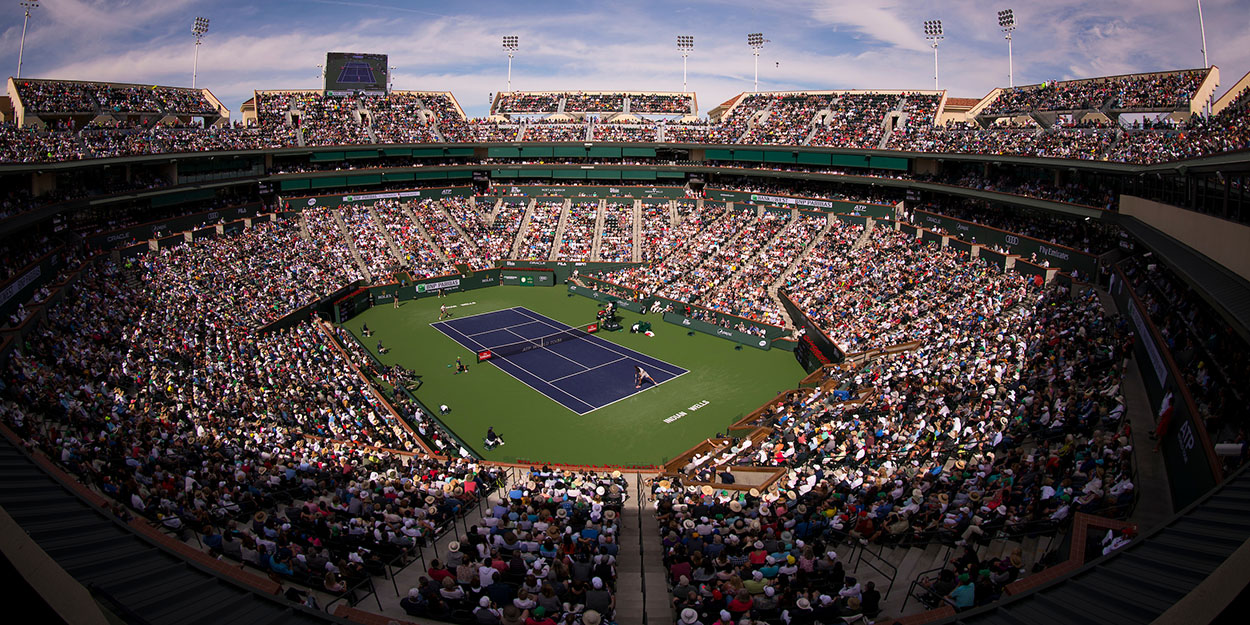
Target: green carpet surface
[(629, 432)]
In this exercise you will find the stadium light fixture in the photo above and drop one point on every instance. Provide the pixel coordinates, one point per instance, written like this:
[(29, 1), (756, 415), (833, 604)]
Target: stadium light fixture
[(390, 75), (198, 29), (21, 47), (685, 43), (756, 41), (1007, 22), (1203, 29), (510, 45), (933, 32)]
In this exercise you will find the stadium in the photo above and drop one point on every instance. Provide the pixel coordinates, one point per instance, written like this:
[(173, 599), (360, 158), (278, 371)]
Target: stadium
[(359, 354)]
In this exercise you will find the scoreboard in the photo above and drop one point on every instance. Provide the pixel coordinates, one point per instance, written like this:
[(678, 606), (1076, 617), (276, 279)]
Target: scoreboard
[(349, 73)]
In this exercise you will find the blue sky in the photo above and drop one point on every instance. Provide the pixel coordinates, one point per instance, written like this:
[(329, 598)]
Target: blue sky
[(276, 44)]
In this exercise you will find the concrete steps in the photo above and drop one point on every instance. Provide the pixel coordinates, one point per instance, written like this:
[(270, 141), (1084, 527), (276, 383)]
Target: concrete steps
[(425, 235), (521, 229), (396, 254), (637, 233), (600, 212), (351, 245), (559, 236)]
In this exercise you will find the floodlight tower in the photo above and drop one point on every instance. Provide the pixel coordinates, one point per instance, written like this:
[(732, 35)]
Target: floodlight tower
[(21, 47), (198, 28), (933, 32), (1007, 22), (1201, 27), (510, 45), (685, 43), (756, 41)]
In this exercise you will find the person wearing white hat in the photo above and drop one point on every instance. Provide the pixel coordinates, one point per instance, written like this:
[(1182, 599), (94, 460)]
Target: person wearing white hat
[(689, 617)]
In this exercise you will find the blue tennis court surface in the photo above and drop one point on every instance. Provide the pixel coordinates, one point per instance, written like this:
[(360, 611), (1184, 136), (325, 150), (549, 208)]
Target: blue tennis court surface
[(356, 72), (582, 374)]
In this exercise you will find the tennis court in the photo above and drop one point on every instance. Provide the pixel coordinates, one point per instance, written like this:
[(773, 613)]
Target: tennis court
[(356, 72), (581, 372)]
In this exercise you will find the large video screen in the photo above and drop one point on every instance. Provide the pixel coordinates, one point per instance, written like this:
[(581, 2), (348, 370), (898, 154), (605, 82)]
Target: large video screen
[(351, 72)]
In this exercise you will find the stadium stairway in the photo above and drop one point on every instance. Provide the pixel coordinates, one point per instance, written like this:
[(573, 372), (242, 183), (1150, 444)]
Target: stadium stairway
[(391, 246), (863, 239), (351, 245), (1143, 580), (455, 224), (425, 236), (598, 239), (559, 236), (522, 228), (140, 579), (303, 228), (793, 267), (637, 232)]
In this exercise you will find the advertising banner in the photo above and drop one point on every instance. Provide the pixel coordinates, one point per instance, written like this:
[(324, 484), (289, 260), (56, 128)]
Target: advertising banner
[(758, 342), (607, 297), (1193, 469), (1065, 258)]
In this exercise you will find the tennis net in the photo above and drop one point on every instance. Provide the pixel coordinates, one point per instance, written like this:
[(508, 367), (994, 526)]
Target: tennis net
[(526, 345)]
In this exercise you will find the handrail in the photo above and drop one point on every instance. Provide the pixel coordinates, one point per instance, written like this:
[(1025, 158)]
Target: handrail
[(350, 595), (911, 589), (878, 556)]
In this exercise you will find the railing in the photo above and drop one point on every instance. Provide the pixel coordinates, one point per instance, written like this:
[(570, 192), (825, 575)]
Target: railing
[(893, 573), (642, 560)]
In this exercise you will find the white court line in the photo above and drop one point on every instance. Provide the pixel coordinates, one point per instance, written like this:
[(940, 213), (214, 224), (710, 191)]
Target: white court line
[(554, 387), (546, 349), (575, 397), (478, 315), (640, 391), (508, 328), (609, 345), (588, 370)]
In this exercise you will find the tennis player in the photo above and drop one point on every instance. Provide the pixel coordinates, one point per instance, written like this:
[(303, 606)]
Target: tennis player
[(640, 376), (442, 312)]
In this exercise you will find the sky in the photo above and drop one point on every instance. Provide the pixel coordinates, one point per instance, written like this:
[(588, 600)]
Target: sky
[(581, 45)]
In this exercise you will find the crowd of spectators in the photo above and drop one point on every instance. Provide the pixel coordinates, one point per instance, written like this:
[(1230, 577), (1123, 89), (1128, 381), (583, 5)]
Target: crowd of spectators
[(626, 132), (370, 240), (419, 256), (883, 291), (1210, 355), (434, 216), (616, 243), (657, 226), (1092, 237), (520, 102), (266, 446), (579, 230), (323, 229), (993, 429), (253, 277), (540, 233), (746, 292), (502, 232), (330, 120), (661, 103), (581, 102), (856, 120), (545, 553), (398, 117), (554, 131), (790, 119), (1169, 91)]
